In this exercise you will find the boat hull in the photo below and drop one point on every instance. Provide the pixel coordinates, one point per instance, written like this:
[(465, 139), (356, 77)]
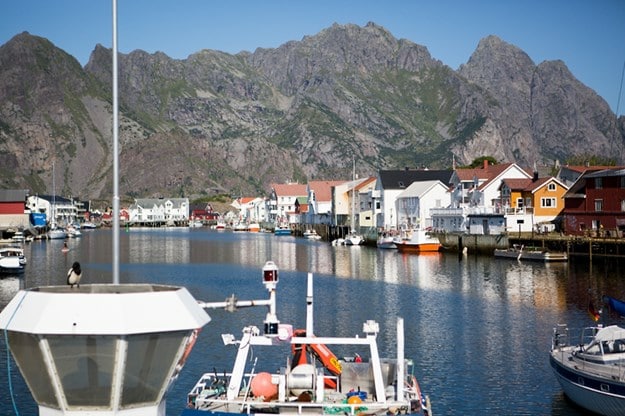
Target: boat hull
[(531, 255), (586, 391), (418, 248)]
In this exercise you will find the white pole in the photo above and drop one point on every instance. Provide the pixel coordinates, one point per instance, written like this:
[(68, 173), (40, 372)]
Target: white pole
[(115, 154), (309, 307)]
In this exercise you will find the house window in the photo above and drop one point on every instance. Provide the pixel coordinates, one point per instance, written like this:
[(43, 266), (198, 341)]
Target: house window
[(622, 181), (598, 183), (519, 202), (622, 204), (598, 204), (548, 202), (551, 187)]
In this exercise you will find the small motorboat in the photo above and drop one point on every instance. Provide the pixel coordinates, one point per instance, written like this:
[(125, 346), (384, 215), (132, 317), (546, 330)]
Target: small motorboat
[(12, 260), (311, 380), (311, 235), (520, 252)]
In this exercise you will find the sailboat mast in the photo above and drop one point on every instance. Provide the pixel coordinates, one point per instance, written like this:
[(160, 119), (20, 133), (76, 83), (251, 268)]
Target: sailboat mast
[(115, 154), (353, 230)]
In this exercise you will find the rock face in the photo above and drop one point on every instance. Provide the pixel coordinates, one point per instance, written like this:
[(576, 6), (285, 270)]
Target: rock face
[(221, 123)]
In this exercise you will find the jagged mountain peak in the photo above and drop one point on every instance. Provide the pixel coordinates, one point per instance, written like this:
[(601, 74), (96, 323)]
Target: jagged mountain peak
[(217, 121)]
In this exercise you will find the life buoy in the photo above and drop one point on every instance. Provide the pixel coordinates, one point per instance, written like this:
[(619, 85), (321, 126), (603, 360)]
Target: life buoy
[(323, 354)]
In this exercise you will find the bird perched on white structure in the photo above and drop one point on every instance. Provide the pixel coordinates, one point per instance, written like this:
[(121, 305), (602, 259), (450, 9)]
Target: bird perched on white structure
[(74, 274)]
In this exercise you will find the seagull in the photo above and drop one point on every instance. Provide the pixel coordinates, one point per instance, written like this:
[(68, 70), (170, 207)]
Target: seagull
[(73, 275)]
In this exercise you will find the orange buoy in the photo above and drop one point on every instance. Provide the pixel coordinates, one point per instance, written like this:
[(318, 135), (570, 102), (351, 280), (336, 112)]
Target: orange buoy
[(355, 399), (263, 387)]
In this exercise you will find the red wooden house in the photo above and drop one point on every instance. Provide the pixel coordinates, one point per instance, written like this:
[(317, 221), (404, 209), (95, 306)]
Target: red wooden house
[(595, 204)]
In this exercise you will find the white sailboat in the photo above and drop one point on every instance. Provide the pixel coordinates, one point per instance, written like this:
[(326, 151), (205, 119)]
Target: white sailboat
[(353, 238)]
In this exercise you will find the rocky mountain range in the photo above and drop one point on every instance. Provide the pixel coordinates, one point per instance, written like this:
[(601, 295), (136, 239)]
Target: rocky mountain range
[(223, 123)]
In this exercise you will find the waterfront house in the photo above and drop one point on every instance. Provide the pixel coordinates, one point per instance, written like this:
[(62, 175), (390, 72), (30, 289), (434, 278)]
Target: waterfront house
[(204, 213), (365, 204), (159, 211), (57, 209), (13, 215), (479, 187), (346, 197), (391, 183), (532, 204), (476, 191), (320, 202), (413, 205), (251, 209), (595, 204), (282, 202)]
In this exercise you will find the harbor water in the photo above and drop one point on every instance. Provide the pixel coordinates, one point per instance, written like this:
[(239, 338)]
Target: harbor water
[(478, 328)]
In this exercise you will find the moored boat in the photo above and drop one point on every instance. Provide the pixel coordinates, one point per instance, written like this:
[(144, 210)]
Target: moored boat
[(282, 230), (56, 233), (311, 235), (312, 380), (88, 225), (417, 241), (591, 368), (386, 240), (353, 239), (520, 252), (12, 260)]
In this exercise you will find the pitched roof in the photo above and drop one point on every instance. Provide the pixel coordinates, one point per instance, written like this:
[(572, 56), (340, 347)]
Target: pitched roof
[(483, 173), (290, 189), (323, 189), (401, 179), (417, 189), (366, 182), (528, 184)]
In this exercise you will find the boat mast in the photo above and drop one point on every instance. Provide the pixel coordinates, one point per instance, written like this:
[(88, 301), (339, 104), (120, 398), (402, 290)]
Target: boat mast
[(353, 230), (115, 154)]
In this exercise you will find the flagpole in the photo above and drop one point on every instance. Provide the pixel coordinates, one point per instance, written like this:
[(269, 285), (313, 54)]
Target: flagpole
[(115, 154)]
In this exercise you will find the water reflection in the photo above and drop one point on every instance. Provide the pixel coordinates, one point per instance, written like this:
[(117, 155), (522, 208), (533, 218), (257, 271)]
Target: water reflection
[(478, 327)]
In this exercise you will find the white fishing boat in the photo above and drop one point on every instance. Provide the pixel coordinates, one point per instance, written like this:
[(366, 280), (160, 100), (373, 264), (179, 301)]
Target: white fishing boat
[(310, 379), (591, 368), (12, 260)]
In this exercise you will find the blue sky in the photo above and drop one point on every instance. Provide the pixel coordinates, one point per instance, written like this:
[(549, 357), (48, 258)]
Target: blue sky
[(589, 36)]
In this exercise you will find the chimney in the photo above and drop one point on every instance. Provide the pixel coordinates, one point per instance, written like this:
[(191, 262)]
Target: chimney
[(485, 164)]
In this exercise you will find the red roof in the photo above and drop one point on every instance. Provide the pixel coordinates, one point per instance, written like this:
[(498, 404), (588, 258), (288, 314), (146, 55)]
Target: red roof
[(290, 189), (323, 189), (484, 173)]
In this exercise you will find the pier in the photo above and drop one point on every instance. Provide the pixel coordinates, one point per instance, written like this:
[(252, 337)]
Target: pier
[(574, 246)]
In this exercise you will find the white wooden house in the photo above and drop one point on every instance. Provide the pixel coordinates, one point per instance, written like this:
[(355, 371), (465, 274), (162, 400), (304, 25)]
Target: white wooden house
[(414, 204), (159, 211)]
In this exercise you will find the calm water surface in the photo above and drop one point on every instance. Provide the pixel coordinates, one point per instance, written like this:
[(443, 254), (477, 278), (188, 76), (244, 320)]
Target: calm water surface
[(477, 328)]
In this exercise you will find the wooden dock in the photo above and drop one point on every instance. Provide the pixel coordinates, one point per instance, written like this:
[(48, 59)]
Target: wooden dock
[(574, 246)]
